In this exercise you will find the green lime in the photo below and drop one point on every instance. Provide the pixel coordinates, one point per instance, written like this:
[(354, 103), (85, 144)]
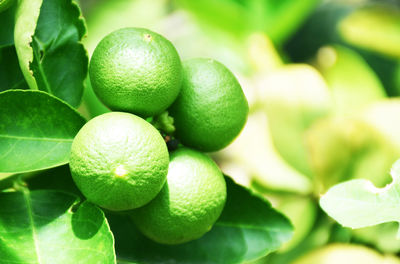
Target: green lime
[(5, 4), (136, 70), (189, 203), (211, 108), (119, 161)]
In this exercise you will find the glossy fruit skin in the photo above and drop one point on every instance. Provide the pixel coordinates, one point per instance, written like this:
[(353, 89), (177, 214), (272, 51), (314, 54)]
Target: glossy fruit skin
[(119, 161), (136, 70), (211, 108), (189, 203)]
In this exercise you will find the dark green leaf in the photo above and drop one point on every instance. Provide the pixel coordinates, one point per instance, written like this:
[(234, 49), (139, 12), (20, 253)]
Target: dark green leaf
[(7, 26), (36, 130), (11, 76), (47, 38), (41, 227), (247, 229), (322, 23), (58, 178)]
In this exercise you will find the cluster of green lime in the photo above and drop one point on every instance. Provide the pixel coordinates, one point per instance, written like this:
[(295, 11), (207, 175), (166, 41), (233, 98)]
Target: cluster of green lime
[(120, 161)]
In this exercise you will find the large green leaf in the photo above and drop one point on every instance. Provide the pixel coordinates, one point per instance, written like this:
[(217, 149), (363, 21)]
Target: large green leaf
[(43, 227), (47, 38), (36, 130), (247, 229), (358, 203)]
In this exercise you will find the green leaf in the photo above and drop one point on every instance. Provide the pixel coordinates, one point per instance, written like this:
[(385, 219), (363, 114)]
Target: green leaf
[(41, 227), (7, 26), (319, 236), (47, 38), (259, 161), (91, 105), (302, 212), (294, 97), (247, 229), (277, 18), (375, 28), (352, 82), (11, 76), (381, 236), (322, 23), (358, 203), (385, 117), (36, 130), (342, 253), (282, 18), (344, 148)]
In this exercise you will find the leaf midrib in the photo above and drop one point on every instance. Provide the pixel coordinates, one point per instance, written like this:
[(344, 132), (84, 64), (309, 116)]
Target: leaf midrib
[(32, 224), (246, 226), (37, 138), (40, 66)]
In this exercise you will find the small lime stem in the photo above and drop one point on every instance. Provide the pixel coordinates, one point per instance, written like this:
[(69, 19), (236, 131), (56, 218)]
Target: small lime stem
[(164, 122)]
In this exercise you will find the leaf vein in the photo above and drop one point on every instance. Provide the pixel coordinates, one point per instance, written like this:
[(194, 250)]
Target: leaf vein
[(37, 138), (31, 221)]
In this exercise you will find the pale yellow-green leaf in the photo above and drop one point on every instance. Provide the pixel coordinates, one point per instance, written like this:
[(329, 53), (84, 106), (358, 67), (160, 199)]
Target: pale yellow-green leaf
[(253, 155), (376, 28), (342, 149), (346, 254), (358, 203), (26, 15), (353, 84), (294, 97)]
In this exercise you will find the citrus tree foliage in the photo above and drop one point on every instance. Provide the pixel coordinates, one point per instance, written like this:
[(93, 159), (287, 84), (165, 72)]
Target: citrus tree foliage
[(32, 134), (47, 39), (50, 227), (43, 216)]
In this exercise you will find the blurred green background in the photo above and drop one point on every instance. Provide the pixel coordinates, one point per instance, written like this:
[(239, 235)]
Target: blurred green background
[(321, 78)]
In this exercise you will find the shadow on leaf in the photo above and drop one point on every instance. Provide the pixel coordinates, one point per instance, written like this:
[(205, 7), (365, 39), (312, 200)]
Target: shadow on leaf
[(81, 226)]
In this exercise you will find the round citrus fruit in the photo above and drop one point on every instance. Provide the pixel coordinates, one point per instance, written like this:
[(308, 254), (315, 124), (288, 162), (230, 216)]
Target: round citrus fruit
[(211, 108), (136, 70), (119, 161), (190, 202)]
